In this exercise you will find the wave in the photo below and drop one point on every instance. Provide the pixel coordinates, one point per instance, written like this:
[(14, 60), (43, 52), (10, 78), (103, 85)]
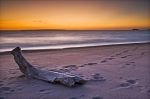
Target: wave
[(56, 47)]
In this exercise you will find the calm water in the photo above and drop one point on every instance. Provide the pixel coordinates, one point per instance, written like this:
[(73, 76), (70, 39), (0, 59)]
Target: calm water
[(66, 39)]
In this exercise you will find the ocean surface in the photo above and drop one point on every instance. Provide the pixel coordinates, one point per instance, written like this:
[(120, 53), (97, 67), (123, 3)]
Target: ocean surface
[(44, 39)]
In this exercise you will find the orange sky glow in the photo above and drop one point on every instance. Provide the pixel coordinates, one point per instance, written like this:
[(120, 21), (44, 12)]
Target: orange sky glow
[(74, 14)]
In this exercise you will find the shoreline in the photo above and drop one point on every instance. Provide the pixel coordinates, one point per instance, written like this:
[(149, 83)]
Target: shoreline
[(40, 50)]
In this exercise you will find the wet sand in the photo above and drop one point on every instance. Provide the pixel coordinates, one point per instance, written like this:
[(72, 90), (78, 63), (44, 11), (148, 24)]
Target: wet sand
[(112, 72)]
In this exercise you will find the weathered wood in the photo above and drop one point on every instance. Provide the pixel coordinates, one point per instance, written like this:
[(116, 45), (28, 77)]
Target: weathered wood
[(50, 76)]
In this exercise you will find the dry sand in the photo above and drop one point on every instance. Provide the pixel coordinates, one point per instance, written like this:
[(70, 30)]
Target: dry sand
[(112, 72)]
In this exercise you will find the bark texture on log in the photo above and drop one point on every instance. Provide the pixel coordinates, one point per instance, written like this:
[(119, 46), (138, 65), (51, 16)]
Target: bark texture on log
[(50, 76)]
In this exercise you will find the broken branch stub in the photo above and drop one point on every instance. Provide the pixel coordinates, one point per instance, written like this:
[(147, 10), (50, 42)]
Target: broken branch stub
[(50, 76)]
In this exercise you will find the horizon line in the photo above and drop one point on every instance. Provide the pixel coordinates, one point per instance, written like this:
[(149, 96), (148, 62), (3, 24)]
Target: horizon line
[(71, 29)]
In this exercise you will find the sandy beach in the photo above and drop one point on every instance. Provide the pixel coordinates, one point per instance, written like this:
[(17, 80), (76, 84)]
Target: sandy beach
[(112, 72)]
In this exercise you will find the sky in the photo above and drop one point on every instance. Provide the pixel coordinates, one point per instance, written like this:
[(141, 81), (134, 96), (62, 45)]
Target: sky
[(74, 14)]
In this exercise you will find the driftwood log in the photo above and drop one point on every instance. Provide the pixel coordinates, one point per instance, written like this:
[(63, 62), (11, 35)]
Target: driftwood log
[(51, 76)]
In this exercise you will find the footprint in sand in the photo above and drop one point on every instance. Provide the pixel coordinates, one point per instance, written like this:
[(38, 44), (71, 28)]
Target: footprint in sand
[(91, 63), (131, 64), (103, 61), (121, 53), (88, 64), (125, 84), (71, 67), (107, 59), (131, 81), (127, 64), (129, 55), (97, 77), (123, 57), (110, 58), (128, 83)]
